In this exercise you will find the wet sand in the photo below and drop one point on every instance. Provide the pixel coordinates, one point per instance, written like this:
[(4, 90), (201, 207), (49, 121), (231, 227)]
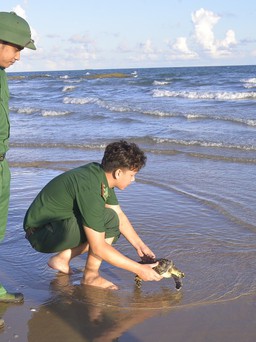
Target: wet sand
[(78, 317), (60, 309)]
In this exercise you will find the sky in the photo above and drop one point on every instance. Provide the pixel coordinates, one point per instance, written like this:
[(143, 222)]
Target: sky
[(114, 34)]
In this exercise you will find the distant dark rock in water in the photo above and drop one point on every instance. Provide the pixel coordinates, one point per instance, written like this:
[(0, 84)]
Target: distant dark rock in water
[(110, 75)]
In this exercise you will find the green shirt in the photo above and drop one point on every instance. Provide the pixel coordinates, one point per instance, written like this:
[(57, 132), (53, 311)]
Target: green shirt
[(82, 192), (4, 113)]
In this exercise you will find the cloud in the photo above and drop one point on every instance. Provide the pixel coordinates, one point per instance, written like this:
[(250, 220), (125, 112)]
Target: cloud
[(145, 51), (204, 22), (123, 47), (147, 47), (84, 43), (20, 11), (181, 49)]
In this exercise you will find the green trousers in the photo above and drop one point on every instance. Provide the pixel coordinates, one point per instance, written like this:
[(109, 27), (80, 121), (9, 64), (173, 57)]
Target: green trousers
[(69, 233), (5, 178)]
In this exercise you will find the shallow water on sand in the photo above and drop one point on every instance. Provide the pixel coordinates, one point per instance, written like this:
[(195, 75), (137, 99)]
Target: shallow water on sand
[(216, 254)]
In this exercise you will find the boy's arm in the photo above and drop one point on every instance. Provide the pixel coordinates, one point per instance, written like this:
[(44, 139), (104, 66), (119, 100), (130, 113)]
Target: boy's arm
[(103, 250), (130, 234)]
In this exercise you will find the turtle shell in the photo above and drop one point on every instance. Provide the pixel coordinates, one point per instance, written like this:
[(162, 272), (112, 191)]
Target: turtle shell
[(164, 267)]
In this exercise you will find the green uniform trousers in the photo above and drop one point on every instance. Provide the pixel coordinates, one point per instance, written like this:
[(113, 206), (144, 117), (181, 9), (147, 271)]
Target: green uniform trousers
[(57, 236)]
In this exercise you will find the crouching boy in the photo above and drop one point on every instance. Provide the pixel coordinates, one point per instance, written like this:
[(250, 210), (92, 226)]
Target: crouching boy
[(78, 212)]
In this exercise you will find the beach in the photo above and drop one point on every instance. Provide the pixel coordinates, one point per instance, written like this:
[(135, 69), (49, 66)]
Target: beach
[(194, 202)]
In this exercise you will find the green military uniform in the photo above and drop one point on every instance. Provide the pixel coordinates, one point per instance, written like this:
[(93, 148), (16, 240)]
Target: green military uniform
[(5, 175), (76, 198), (13, 30), (4, 140), (4, 168)]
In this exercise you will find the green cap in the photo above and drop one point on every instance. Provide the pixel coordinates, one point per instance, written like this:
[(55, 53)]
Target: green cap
[(15, 30)]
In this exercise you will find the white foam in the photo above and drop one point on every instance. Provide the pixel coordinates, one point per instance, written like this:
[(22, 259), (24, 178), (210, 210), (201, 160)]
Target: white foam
[(26, 110), (194, 116), (204, 144), (205, 95), (54, 113), (160, 83), (82, 100), (68, 88), (249, 82)]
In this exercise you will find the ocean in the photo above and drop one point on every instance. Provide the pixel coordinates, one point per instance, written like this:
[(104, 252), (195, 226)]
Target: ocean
[(195, 200)]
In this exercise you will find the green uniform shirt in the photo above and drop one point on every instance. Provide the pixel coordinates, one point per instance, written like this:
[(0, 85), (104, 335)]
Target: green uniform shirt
[(4, 113), (82, 192), (4, 145)]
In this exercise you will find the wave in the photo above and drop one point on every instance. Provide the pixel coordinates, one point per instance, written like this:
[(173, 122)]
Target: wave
[(160, 113), (249, 82), (159, 83), (54, 113), (93, 146), (79, 101), (197, 116), (247, 122), (205, 95), (68, 88), (166, 145), (154, 144), (150, 146), (121, 108), (204, 144), (97, 101), (32, 110), (24, 110)]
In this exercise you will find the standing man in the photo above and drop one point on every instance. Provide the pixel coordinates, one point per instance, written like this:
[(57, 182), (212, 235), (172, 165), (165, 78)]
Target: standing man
[(15, 35)]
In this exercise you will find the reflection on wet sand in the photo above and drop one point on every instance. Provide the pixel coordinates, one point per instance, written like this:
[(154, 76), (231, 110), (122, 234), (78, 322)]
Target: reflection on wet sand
[(3, 308), (84, 313)]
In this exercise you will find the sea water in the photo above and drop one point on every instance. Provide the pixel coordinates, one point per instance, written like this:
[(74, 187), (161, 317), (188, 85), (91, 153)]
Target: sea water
[(195, 200)]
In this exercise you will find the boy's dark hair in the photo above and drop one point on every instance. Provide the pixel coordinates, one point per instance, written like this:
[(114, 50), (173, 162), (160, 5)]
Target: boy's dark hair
[(123, 155)]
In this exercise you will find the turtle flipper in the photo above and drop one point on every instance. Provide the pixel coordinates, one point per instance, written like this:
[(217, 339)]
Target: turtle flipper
[(138, 281), (178, 282)]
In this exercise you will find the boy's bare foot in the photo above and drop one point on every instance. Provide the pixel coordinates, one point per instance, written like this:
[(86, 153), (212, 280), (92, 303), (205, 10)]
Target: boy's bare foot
[(99, 282), (59, 264)]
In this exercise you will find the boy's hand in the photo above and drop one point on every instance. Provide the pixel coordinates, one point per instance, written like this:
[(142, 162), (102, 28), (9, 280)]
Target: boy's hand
[(146, 255), (147, 273)]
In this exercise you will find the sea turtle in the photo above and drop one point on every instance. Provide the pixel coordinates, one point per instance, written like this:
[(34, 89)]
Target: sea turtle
[(167, 269)]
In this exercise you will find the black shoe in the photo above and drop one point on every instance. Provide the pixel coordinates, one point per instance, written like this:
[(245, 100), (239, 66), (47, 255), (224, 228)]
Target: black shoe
[(12, 298)]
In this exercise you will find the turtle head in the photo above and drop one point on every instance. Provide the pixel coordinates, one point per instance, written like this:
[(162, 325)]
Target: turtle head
[(176, 272)]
